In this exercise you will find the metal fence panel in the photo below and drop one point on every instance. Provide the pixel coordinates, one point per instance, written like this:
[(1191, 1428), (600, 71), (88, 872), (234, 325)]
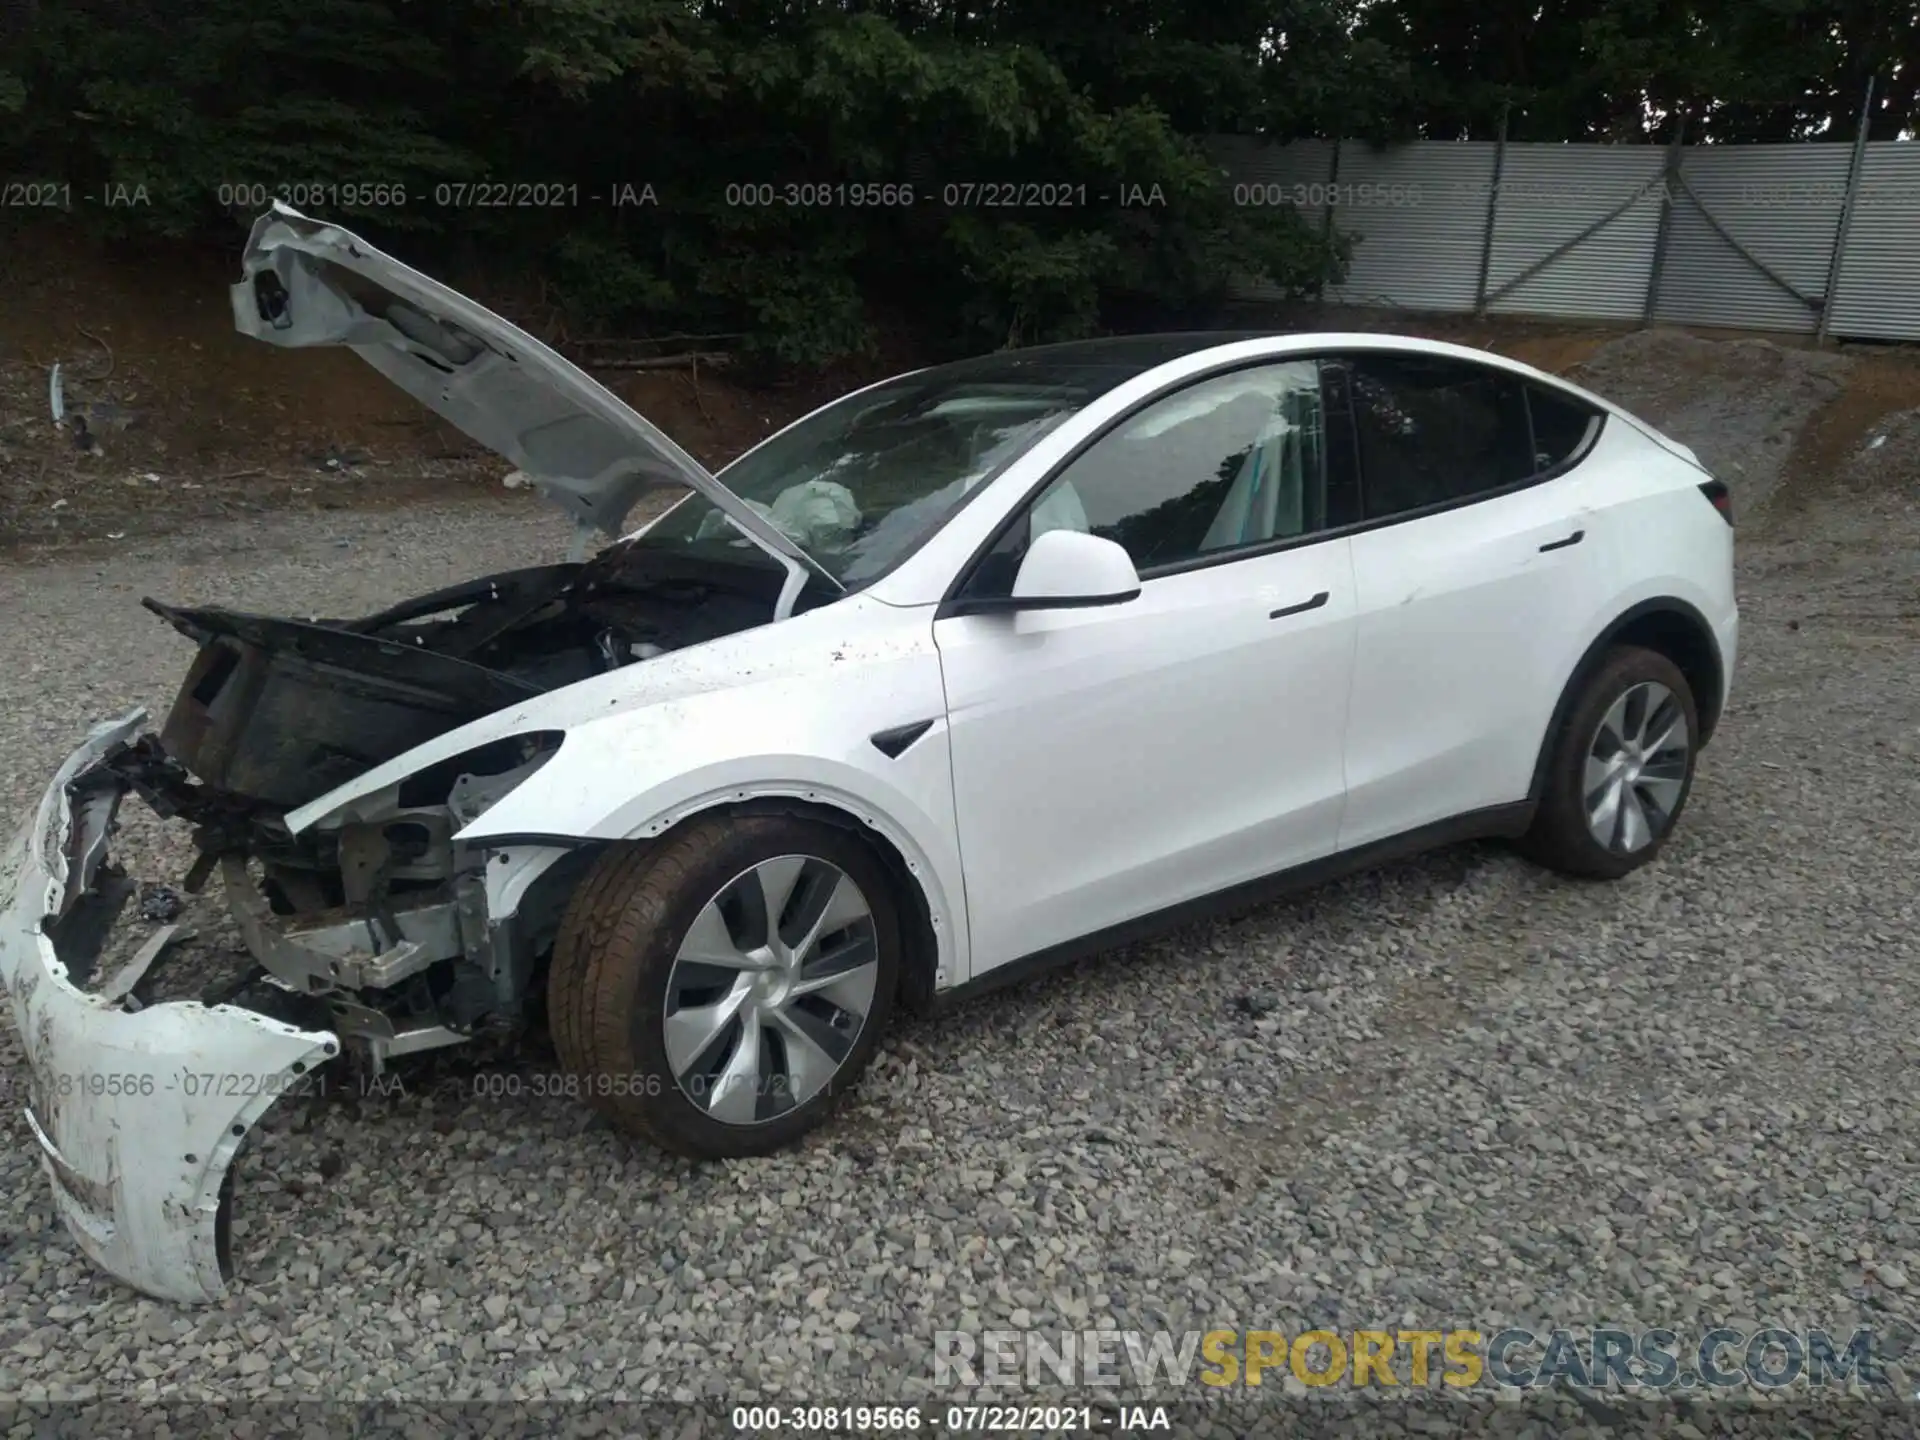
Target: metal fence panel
[(1877, 296), (1419, 215), (1782, 203), (1549, 194)]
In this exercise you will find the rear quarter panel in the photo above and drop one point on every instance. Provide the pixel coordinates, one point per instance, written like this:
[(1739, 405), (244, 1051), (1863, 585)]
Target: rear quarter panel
[(1660, 536)]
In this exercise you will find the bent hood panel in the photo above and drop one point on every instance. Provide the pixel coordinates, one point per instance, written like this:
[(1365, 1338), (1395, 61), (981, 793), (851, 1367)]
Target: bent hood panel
[(311, 283)]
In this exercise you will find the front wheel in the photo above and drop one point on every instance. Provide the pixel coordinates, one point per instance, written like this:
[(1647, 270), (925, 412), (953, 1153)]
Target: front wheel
[(716, 991), (1620, 769)]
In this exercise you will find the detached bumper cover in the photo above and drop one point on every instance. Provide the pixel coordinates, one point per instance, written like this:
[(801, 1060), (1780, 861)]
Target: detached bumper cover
[(138, 1114)]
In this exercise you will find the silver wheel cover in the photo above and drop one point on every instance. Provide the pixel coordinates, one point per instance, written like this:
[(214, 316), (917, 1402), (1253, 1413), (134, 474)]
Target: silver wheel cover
[(1635, 769), (770, 989)]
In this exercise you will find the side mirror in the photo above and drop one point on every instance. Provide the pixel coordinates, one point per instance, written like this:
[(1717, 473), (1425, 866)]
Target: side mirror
[(1064, 570)]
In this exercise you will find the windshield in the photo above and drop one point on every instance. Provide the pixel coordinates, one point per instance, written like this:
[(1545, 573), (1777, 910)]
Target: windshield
[(865, 480)]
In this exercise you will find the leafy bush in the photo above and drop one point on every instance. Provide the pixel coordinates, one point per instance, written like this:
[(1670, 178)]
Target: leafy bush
[(727, 127)]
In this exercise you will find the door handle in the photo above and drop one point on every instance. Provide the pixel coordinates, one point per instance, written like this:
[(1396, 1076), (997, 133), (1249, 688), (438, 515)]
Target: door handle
[(1574, 539), (1314, 604)]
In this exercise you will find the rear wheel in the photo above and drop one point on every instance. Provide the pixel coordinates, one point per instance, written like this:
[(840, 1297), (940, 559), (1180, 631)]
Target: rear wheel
[(716, 992), (1620, 770)]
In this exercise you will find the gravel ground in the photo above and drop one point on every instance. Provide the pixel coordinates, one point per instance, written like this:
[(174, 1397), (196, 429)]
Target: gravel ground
[(1457, 1090)]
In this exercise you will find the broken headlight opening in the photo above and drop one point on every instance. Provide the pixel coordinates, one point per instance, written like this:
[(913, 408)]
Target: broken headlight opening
[(373, 922), (374, 925)]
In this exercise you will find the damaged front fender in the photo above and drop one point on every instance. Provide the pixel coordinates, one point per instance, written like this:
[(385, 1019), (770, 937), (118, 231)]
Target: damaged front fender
[(138, 1114)]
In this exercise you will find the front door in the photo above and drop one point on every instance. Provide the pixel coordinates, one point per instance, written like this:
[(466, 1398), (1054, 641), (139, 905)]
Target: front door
[(1112, 762)]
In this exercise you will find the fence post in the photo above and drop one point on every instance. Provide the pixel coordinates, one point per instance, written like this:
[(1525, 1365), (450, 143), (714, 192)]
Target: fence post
[(1493, 211), (1855, 166), (1665, 227), (1326, 221)]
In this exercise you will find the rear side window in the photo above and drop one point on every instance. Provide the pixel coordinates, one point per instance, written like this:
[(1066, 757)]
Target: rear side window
[(1562, 428), (1432, 430)]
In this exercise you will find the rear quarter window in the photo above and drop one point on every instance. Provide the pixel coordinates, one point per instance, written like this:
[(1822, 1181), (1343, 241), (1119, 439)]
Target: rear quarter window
[(1562, 428)]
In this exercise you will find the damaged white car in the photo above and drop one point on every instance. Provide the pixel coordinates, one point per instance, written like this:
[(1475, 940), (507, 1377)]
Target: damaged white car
[(975, 669)]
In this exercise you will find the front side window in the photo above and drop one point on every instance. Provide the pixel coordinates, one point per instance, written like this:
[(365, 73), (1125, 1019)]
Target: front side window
[(1431, 430), (1231, 463)]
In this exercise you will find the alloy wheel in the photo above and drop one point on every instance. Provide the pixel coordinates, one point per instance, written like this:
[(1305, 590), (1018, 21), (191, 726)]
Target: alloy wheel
[(770, 989), (1636, 768)]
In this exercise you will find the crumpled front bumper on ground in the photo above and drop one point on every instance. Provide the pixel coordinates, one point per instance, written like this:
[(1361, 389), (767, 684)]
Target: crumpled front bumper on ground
[(138, 1114)]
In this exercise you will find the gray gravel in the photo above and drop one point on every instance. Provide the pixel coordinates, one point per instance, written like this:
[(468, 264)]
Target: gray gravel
[(1457, 1090)]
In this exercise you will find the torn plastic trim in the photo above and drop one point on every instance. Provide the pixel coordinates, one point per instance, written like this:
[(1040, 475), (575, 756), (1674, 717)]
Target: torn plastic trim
[(516, 868), (138, 1116)]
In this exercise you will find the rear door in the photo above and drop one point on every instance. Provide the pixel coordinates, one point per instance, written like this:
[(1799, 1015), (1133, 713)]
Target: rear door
[(1475, 577)]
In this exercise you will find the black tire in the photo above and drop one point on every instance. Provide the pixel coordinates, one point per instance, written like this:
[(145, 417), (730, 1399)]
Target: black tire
[(1560, 837), (608, 988)]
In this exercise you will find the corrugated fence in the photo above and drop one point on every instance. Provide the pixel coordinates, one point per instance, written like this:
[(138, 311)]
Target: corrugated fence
[(1815, 237)]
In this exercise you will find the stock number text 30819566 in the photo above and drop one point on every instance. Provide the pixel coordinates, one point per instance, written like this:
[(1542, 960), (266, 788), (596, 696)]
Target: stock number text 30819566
[(101, 1084), (911, 1418), (819, 194), (827, 1419)]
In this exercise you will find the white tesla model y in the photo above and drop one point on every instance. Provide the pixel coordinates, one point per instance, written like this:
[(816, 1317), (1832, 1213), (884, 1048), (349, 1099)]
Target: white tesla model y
[(974, 669)]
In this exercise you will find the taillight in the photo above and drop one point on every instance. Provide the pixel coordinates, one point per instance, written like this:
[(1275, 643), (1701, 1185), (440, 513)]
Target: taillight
[(1719, 497)]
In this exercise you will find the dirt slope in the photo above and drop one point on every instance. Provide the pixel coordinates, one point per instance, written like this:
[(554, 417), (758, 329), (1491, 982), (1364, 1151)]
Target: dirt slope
[(1746, 402), (191, 422), (202, 423)]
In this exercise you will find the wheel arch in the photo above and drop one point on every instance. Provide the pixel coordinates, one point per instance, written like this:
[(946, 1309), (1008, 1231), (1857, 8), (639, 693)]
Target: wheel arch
[(1667, 625), (920, 939), (925, 955)]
